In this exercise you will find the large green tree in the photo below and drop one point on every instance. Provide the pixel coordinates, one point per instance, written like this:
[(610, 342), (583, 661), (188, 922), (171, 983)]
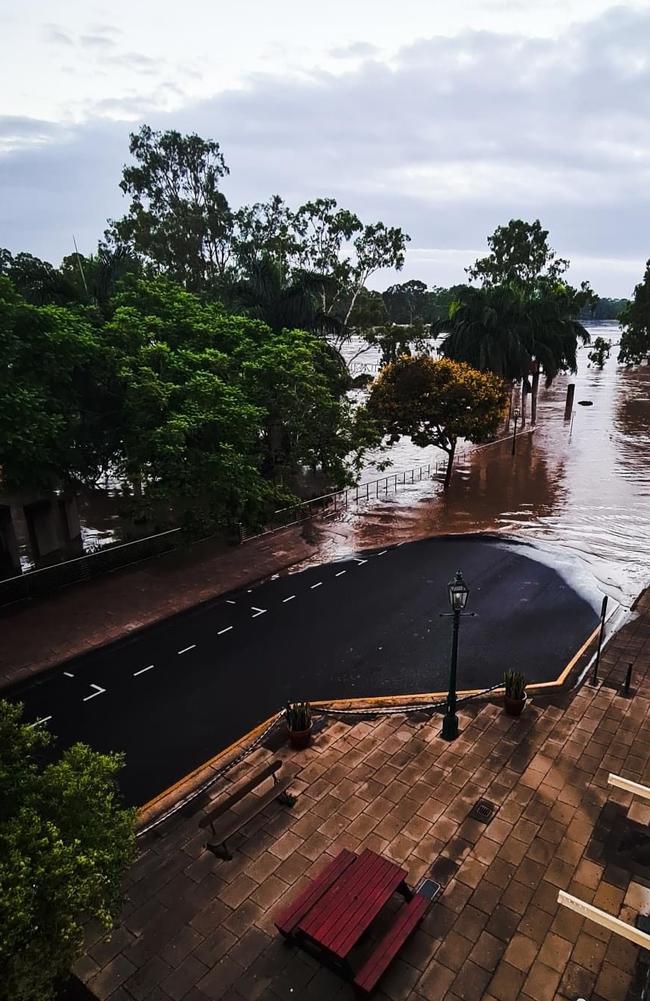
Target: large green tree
[(178, 219), (635, 320), (65, 844), (520, 254), (56, 395), (436, 403)]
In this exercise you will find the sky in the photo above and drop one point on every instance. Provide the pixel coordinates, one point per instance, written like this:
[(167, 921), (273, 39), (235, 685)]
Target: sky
[(447, 119)]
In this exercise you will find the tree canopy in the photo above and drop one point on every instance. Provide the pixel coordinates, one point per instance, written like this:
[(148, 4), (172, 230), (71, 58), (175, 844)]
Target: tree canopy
[(437, 402), (520, 254), (635, 320), (204, 416), (65, 844)]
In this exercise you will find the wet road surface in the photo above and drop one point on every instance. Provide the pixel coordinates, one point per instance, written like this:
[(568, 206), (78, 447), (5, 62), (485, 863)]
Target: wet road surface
[(176, 694)]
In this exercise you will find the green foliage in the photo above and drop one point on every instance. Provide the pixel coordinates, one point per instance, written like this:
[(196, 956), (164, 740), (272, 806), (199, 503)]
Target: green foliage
[(55, 392), (178, 220), (512, 331), (65, 843), (604, 309), (514, 683), (298, 716), (519, 255), (635, 320), (600, 352)]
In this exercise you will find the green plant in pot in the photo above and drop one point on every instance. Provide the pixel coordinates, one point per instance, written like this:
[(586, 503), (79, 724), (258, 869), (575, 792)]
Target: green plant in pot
[(298, 717), (515, 692)]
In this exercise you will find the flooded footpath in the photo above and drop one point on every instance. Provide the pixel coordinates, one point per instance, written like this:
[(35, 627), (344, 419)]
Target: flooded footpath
[(577, 489)]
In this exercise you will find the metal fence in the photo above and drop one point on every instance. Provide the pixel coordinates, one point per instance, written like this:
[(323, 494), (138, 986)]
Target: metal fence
[(339, 500), (39, 582)]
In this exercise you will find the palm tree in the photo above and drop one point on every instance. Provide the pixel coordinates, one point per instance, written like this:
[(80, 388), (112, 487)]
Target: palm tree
[(485, 328), (516, 333), (267, 295), (551, 335)]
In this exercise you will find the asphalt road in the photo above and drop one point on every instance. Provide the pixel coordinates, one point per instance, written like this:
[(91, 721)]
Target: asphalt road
[(174, 695)]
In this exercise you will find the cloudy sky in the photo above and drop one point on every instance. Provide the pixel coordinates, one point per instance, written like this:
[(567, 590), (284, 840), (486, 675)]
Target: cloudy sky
[(444, 118)]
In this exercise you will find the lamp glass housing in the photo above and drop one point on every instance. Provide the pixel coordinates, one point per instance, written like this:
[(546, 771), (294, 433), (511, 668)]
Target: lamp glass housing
[(458, 592)]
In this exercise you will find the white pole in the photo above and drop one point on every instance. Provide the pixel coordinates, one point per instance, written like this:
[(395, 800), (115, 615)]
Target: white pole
[(604, 919), (634, 787)]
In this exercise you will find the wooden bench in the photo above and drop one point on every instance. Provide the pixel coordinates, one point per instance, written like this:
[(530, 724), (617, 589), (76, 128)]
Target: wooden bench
[(406, 920), (236, 821)]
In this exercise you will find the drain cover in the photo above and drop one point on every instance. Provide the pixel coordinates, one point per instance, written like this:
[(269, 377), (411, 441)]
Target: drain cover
[(483, 810)]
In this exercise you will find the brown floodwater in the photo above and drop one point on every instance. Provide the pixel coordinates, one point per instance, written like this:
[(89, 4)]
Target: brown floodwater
[(579, 490)]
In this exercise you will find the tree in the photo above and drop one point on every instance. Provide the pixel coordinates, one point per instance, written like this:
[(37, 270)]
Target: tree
[(65, 844), (600, 352), (179, 220), (520, 255), (56, 395), (266, 294), (37, 281), (635, 320), (219, 411), (334, 244), (436, 403)]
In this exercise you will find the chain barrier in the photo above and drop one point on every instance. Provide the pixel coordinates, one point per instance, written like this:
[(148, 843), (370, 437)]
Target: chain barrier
[(317, 711), (404, 710), (245, 751)]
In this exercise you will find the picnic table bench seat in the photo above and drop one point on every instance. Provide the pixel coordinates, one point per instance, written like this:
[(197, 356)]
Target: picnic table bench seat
[(233, 822), (406, 920)]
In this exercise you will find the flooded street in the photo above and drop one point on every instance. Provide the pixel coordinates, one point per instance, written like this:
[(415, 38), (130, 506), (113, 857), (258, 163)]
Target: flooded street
[(578, 488)]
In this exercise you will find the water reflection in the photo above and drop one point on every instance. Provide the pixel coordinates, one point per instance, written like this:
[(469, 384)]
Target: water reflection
[(581, 485)]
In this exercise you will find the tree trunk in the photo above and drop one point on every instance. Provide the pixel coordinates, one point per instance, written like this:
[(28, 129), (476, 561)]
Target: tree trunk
[(524, 385), (510, 407), (450, 463), (533, 399)]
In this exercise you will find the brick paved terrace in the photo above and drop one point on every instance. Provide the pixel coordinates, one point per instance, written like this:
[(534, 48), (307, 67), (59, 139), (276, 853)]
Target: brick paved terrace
[(196, 928)]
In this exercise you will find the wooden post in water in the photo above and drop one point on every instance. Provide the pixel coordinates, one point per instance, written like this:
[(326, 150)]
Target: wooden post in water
[(570, 394)]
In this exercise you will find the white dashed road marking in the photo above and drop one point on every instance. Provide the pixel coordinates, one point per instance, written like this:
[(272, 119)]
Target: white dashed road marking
[(39, 722), (229, 602), (382, 553), (340, 573), (187, 649), (258, 611), (143, 670), (68, 675), (100, 691), (361, 562), (290, 598), (316, 585), (226, 630)]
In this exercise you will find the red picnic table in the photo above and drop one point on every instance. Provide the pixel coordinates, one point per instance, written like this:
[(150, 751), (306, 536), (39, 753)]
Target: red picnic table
[(339, 905)]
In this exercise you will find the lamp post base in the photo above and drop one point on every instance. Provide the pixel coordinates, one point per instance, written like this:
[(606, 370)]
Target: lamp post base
[(449, 727)]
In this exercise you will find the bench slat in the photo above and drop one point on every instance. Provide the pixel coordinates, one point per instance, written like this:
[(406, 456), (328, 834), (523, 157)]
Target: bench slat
[(388, 947), (240, 791), (290, 917), (239, 820)]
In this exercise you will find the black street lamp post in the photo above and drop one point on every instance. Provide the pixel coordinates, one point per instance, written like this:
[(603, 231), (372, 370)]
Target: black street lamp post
[(516, 415), (458, 593)]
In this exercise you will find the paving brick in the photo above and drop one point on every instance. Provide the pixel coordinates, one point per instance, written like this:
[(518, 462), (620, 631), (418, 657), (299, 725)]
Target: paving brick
[(541, 983), (488, 951)]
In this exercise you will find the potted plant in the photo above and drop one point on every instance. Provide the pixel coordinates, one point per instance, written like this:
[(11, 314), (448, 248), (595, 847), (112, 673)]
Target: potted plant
[(298, 717), (515, 692)]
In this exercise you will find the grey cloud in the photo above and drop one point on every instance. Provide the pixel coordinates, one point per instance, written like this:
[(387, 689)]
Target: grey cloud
[(355, 50), (54, 33), (97, 41), (452, 138)]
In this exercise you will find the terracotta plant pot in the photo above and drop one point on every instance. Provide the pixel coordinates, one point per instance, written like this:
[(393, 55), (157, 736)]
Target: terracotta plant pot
[(514, 707), (300, 739)]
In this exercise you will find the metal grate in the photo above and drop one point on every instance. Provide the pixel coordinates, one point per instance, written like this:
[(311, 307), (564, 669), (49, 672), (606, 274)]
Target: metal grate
[(483, 810)]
